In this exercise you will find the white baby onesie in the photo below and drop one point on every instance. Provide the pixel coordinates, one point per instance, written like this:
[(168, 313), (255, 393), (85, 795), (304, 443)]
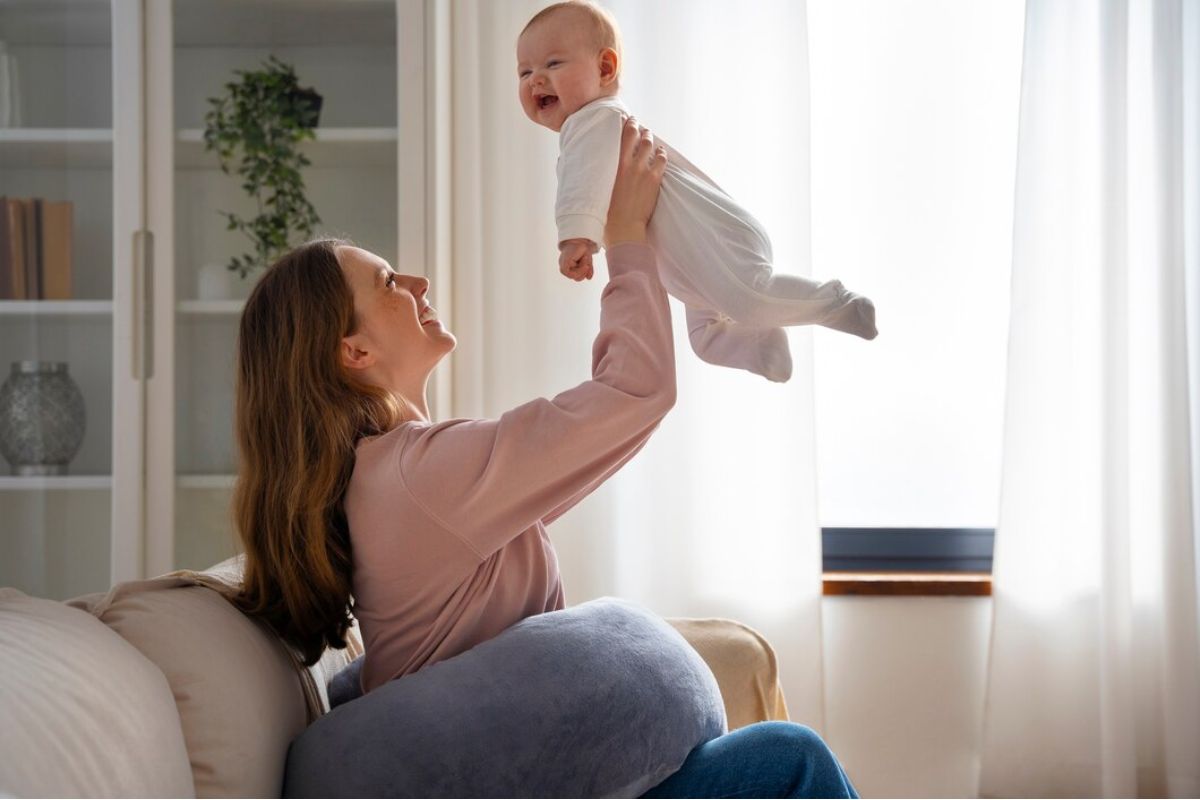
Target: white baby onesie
[(712, 254)]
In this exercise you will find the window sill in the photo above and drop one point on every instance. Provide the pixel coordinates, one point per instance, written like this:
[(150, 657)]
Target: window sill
[(956, 584)]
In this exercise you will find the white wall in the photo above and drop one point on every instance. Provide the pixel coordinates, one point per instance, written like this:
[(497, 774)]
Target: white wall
[(904, 681)]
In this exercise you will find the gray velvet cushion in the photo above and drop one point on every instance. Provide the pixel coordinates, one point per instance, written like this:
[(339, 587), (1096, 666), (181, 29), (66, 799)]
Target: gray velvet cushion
[(604, 699)]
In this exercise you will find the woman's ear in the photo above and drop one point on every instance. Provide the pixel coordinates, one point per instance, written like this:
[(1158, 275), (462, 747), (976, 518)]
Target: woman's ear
[(353, 357), (610, 62)]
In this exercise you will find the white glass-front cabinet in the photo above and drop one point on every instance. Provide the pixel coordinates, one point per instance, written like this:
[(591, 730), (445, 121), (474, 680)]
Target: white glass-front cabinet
[(72, 133), (114, 94)]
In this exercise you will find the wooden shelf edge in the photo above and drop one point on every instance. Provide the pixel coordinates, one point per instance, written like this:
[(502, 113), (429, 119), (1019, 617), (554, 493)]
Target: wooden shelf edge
[(912, 584)]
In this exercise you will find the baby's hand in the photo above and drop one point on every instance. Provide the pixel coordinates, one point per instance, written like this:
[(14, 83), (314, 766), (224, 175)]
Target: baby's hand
[(575, 259)]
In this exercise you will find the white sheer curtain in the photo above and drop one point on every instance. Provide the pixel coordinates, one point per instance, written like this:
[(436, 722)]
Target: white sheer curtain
[(1094, 681), (717, 516)]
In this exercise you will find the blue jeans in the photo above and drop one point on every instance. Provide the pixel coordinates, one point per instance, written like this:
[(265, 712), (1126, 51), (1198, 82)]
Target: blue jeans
[(766, 759)]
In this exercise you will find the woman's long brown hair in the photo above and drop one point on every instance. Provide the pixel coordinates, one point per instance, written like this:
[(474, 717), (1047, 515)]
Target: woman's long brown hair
[(298, 416)]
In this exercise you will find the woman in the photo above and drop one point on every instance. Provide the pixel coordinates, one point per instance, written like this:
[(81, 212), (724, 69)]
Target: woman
[(438, 530)]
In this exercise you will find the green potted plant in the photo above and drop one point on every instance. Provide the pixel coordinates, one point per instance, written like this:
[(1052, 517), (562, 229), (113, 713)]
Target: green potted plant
[(265, 116)]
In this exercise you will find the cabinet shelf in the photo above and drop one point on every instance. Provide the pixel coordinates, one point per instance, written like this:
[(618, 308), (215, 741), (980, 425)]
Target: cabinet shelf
[(91, 148), (56, 308), (39, 483), (60, 148), (205, 481), (200, 23), (208, 308), (36, 483), (283, 23), (333, 147)]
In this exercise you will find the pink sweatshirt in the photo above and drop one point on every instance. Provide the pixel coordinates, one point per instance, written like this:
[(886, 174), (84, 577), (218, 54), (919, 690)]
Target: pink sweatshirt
[(447, 520)]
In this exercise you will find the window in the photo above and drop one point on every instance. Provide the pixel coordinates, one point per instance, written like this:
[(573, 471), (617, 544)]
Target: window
[(914, 137)]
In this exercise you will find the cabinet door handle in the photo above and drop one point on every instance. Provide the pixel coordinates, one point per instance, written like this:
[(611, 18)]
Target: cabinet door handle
[(143, 305)]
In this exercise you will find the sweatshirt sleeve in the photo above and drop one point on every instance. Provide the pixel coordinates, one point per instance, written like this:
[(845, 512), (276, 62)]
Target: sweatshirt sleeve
[(590, 147), (488, 480)]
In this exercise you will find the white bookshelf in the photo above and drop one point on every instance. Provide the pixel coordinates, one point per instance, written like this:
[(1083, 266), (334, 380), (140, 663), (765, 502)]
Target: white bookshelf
[(116, 92)]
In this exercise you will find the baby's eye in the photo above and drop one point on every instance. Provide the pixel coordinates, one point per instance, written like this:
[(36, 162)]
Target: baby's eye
[(391, 281), (523, 74), (552, 63)]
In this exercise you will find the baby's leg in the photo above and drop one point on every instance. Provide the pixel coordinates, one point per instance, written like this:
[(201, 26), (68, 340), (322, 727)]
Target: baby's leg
[(719, 340), (796, 300), (769, 300)]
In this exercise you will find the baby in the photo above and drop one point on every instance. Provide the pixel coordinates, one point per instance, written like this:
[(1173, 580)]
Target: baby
[(712, 254)]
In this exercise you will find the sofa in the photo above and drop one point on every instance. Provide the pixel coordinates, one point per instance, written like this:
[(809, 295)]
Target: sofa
[(162, 687)]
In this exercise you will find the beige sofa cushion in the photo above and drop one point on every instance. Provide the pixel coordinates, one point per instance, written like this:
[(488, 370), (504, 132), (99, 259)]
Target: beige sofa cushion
[(83, 713), (744, 664), (241, 696)]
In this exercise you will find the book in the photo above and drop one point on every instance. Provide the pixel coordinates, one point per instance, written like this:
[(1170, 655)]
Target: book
[(31, 208), (7, 290), (35, 248), (56, 251), (13, 257)]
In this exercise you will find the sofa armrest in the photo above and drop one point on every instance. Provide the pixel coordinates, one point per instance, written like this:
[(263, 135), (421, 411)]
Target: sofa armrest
[(745, 667), (83, 713)]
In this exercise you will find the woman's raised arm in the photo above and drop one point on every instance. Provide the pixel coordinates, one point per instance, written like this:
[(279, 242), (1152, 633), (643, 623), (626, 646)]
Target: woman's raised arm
[(489, 480)]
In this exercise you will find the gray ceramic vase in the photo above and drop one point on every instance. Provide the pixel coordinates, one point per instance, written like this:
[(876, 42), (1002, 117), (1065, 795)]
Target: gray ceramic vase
[(41, 418)]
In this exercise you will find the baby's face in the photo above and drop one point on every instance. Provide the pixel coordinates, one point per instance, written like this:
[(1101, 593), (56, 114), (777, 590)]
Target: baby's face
[(559, 71)]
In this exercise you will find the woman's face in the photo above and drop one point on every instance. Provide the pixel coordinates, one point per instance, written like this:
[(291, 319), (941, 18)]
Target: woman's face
[(398, 339)]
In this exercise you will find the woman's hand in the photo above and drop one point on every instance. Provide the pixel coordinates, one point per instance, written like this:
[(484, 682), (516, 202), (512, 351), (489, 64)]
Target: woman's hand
[(635, 191)]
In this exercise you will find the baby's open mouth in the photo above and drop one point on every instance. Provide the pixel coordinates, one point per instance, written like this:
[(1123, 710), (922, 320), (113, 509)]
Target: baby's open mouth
[(547, 101)]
